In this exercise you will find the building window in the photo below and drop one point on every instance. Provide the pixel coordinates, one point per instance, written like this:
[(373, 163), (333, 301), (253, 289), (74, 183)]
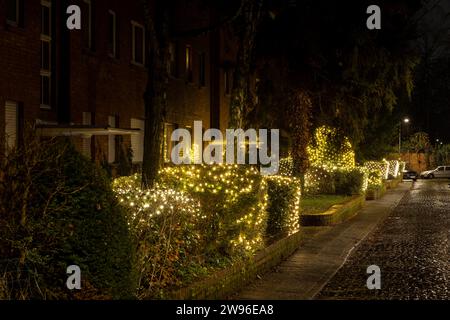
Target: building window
[(202, 69), (14, 12), (112, 34), (169, 128), (173, 56), (87, 24), (87, 141), (137, 140), (112, 123), (11, 125), (46, 40), (188, 59), (138, 43)]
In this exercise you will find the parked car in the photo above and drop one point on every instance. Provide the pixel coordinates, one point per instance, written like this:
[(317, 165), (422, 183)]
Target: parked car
[(439, 172), (410, 175)]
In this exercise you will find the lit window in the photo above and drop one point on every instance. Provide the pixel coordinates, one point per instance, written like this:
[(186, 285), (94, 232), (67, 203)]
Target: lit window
[(188, 58), (87, 142), (112, 123), (11, 124), (138, 45), (137, 140)]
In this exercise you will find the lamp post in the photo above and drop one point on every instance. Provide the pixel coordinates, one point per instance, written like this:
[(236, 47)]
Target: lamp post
[(406, 121)]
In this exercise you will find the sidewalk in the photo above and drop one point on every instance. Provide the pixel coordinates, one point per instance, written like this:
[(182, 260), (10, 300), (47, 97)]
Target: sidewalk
[(324, 251)]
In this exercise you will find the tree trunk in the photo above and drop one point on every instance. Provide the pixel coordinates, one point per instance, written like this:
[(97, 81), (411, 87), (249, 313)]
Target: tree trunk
[(248, 24), (155, 96)]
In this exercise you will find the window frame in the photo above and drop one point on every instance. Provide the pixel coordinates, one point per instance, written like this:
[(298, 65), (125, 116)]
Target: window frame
[(112, 53), (135, 25), (46, 73), (18, 15)]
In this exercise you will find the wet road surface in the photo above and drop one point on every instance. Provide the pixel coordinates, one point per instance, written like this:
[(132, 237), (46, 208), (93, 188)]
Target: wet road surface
[(411, 247)]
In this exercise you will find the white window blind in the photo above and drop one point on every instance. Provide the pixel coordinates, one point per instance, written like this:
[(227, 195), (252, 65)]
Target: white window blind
[(86, 148), (11, 124), (137, 141)]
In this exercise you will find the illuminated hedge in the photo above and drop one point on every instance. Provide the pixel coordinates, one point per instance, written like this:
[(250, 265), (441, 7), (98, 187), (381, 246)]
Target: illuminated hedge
[(325, 180), (394, 168), (329, 149), (233, 199), (166, 226), (283, 207), (286, 167), (382, 166)]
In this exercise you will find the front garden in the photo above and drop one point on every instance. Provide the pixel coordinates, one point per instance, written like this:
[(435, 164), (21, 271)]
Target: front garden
[(196, 222)]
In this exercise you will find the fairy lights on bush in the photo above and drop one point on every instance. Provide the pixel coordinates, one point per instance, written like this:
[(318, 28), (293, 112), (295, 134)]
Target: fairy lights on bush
[(284, 196), (394, 168), (330, 149), (233, 199), (382, 166)]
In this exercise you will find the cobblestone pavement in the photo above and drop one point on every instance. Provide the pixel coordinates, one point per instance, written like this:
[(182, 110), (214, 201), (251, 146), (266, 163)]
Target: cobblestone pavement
[(411, 247)]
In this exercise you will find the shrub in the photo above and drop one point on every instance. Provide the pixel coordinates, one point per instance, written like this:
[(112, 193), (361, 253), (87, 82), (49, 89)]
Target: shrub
[(167, 230), (233, 201), (319, 180), (382, 166), (349, 181), (283, 208), (57, 209), (286, 167), (394, 167)]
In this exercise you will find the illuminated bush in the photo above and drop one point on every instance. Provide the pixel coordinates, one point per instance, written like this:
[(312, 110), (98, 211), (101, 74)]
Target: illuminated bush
[(382, 166), (350, 181), (286, 167), (330, 149), (318, 180), (233, 199), (167, 227), (394, 168), (283, 206), (324, 180)]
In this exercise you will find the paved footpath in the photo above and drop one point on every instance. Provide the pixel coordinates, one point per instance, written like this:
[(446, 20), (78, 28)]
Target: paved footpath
[(323, 252), (411, 247)]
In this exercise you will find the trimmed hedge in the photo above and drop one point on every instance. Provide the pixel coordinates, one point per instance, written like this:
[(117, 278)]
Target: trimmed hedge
[(233, 201), (283, 207)]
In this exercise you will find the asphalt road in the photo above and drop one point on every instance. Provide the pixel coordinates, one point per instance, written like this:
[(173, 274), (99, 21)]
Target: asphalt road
[(411, 247)]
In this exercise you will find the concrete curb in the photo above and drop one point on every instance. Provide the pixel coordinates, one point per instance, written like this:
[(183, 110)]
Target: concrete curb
[(230, 280)]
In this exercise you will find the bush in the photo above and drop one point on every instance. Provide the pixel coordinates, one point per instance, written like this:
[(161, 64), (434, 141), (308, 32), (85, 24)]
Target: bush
[(283, 208), (57, 209), (319, 180), (349, 181), (233, 201), (167, 227)]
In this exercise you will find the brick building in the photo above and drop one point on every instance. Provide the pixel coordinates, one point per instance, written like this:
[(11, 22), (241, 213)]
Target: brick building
[(89, 83)]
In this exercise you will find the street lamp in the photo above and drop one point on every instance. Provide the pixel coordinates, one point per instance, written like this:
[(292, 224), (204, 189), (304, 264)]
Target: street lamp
[(406, 121)]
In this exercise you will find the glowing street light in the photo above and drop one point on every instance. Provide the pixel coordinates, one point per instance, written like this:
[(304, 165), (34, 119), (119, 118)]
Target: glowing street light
[(405, 121)]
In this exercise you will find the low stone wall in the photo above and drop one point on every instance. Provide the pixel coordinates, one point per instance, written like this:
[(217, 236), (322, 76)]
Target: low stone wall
[(230, 280), (335, 215), (374, 194)]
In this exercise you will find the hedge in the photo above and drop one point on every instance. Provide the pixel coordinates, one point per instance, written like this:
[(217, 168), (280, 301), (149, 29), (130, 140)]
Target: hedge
[(283, 208)]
